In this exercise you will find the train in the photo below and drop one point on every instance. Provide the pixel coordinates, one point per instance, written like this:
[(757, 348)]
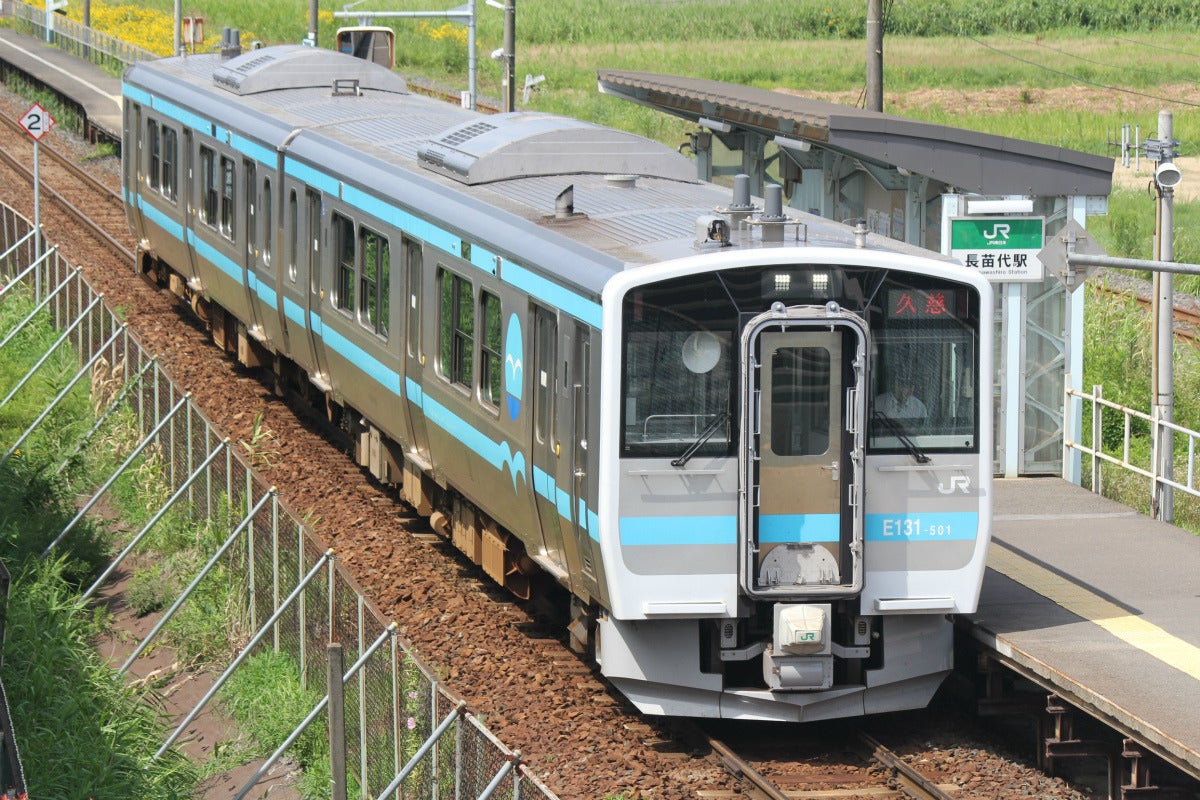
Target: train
[(749, 447)]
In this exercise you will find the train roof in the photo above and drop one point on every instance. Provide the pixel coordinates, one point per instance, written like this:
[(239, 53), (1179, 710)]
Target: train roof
[(598, 200)]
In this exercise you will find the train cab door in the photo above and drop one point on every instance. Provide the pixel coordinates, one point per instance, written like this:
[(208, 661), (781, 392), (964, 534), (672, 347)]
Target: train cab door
[(801, 531), (546, 448)]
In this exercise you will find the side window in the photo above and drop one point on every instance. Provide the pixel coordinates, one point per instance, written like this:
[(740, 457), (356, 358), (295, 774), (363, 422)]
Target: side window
[(228, 191), (491, 365), (456, 328), (208, 186), (154, 149), (293, 243), (170, 164), (343, 253), (374, 283)]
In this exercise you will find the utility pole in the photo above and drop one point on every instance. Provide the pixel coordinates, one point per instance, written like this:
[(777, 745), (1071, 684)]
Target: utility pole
[(313, 14), (874, 55), (510, 55), (1166, 176)]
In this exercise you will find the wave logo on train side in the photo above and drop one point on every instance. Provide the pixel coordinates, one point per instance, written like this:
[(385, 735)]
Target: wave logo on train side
[(514, 370)]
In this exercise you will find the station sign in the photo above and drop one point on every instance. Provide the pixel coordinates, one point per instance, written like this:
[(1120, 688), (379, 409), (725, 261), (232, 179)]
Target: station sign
[(1003, 249)]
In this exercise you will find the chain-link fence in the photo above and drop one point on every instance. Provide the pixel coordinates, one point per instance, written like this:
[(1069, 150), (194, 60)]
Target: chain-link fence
[(406, 735)]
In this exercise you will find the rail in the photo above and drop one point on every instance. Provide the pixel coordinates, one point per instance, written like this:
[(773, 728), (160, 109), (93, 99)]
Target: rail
[(1137, 449)]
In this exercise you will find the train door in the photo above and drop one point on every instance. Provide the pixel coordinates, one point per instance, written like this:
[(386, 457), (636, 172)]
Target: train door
[(132, 165), (803, 422), (313, 258), (546, 445), (414, 356), (192, 201), (269, 284), (581, 500), (293, 318), (250, 268)]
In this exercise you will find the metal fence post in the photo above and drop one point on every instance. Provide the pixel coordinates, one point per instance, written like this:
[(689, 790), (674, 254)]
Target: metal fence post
[(116, 562), (242, 656), (37, 309), (337, 721), (312, 715), (108, 412), (1097, 435)]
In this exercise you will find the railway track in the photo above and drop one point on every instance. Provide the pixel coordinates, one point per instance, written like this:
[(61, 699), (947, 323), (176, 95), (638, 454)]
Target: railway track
[(1187, 321), (871, 770), (103, 212)]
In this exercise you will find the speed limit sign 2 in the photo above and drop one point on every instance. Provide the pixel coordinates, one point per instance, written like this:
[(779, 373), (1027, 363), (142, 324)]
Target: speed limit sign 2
[(37, 121)]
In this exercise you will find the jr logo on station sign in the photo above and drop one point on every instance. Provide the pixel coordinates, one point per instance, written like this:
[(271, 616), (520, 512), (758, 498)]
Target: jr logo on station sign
[(1003, 249)]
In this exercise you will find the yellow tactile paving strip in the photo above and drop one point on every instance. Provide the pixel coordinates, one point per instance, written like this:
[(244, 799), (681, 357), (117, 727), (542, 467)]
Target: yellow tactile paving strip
[(1134, 631)]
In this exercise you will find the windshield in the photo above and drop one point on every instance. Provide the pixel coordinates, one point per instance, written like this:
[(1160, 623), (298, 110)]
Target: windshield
[(923, 369), (679, 369)]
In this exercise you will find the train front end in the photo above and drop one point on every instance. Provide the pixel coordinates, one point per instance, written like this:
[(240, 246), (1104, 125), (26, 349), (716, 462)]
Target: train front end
[(796, 480)]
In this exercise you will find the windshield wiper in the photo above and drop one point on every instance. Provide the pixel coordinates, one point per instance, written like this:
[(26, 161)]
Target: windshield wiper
[(704, 436), (901, 433)]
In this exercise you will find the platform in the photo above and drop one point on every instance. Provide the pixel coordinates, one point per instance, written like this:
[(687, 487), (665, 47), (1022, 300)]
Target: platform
[(1103, 604), (94, 89)]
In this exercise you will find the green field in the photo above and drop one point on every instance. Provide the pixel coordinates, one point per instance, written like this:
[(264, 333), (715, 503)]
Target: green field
[(1068, 73)]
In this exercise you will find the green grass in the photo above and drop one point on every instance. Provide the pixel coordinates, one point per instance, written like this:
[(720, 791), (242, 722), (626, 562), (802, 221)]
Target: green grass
[(81, 730), (1118, 356), (265, 698), (1128, 232)]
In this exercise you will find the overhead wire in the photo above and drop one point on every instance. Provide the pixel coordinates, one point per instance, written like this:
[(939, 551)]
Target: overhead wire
[(1078, 57), (1064, 73), (1156, 46)]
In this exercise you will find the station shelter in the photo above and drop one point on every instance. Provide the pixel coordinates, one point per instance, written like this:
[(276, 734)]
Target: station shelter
[(990, 201)]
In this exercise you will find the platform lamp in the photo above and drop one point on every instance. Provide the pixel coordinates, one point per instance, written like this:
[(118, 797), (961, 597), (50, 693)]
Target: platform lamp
[(1167, 176)]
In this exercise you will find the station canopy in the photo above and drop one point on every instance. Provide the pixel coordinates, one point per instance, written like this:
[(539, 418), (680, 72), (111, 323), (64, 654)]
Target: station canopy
[(969, 161)]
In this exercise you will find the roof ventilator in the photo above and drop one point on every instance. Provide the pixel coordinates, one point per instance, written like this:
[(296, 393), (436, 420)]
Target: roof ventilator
[(564, 207), (346, 86)]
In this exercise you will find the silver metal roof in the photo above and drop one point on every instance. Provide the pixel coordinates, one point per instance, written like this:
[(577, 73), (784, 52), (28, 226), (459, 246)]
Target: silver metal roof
[(525, 144), (968, 160), (298, 67)]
